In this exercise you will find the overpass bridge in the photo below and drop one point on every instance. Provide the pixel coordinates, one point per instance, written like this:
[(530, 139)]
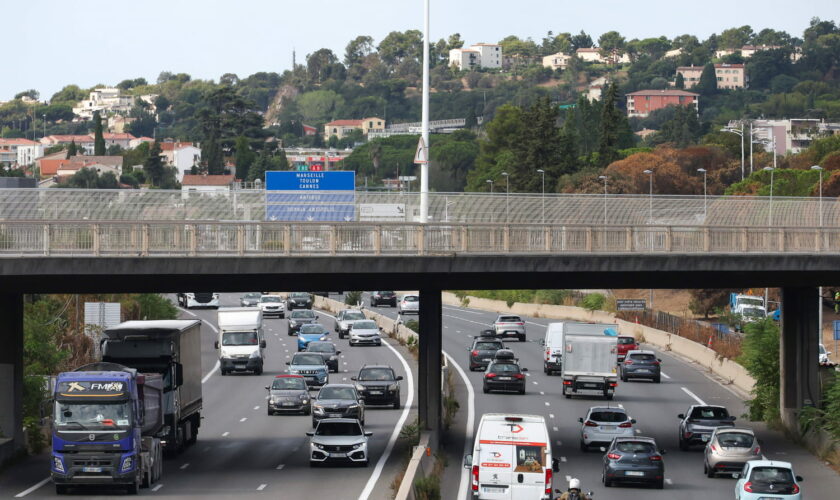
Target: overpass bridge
[(98, 242)]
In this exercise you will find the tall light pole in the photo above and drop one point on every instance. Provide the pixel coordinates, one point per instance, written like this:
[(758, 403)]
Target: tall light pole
[(45, 125), (740, 133), (490, 181), (541, 171), (650, 197), (770, 213), (751, 147), (507, 196), (604, 178), (819, 169), (424, 167), (705, 204)]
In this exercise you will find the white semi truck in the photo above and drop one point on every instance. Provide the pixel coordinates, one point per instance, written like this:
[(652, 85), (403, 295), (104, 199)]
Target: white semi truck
[(590, 358)]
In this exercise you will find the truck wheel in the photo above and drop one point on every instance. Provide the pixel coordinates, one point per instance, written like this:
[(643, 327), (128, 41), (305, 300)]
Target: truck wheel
[(133, 488), (61, 489), (609, 396)]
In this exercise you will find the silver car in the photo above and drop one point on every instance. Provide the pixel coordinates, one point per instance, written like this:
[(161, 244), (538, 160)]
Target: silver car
[(409, 304), (602, 424), (728, 449), (345, 319), (340, 440), (365, 333)]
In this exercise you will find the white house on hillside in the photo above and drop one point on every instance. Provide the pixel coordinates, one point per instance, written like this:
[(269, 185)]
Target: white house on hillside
[(479, 55)]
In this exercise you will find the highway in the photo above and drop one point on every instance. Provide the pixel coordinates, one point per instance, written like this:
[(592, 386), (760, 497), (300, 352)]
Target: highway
[(241, 451), (654, 406)]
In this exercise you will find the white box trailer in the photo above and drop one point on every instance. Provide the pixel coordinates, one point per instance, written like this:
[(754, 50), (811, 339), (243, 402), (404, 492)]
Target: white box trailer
[(589, 365), (555, 335)]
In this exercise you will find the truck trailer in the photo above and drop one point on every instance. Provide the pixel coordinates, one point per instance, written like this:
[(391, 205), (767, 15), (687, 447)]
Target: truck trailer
[(171, 348), (106, 428), (590, 357)]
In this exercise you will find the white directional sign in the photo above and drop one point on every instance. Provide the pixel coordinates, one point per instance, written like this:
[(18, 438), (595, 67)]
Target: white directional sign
[(422, 154), (377, 210)]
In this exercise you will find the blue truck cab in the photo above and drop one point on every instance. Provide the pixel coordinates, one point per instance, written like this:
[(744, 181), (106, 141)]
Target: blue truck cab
[(105, 420)]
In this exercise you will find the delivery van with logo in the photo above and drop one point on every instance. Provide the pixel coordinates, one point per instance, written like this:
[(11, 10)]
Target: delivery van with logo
[(511, 458)]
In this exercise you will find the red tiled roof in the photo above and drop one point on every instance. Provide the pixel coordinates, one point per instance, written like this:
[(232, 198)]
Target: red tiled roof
[(664, 92), (345, 123), (71, 138), (17, 141), (207, 180), (172, 146), (117, 137)]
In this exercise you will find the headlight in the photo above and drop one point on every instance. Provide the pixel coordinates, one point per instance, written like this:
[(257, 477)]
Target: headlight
[(323, 337), (360, 388), (128, 463), (255, 354), (358, 445), (319, 446), (274, 400), (304, 399), (353, 407), (393, 387), (58, 464), (318, 409)]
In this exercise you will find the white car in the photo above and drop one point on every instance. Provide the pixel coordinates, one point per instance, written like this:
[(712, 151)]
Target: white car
[(602, 424), (339, 440), (272, 305), (823, 355), (767, 479), (364, 332), (409, 304)]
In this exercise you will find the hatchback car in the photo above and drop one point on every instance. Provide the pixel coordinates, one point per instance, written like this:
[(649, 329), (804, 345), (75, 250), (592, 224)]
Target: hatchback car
[(729, 449), (309, 333), (299, 300), (504, 375), (272, 305), (250, 299), (634, 460), (338, 401), (327, 351), (383, 297), (697, 424), (602, 424), (288, 393), (409, 304), (300, 318), (311, 366), (365, 333), (345, 319), (338, 440), (379, 385), (641, 364), (626, 344), (482, 351), (767, 479)]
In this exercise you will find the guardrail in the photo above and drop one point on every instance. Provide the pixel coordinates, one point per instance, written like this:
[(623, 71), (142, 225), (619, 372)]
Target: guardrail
[(213, 238)]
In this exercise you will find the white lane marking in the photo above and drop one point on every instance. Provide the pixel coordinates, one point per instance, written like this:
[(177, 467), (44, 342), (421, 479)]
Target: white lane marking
[(344, 379), (535, 324), (243, 419), (668, 480), (457, 331), (459, 309), (563, 459), (256, 407), (547, 403), (224, 434), (555, 429), (280, 467), (485, 325), (468, 433), (261, 487), (157, 487), (32, 488), (664, 374), (550, 415), (184, 466), (535, 383), (542, 393), (693, 396)]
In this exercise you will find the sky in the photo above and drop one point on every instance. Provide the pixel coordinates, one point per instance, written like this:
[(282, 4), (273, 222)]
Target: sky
[(48, 44)]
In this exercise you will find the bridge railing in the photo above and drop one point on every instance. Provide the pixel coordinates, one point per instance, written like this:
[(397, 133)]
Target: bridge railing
[(212, 238)]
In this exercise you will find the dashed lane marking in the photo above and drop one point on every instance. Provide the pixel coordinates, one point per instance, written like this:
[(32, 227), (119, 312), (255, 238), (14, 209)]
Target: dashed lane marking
[(225, 434), (261, 487), (157, 487), (280, 467), (184, 466), (547, 403), (243, 419), (256, 407), (555, 429), (664, 374), (32, 488), (668, 480), (563, 459), (696, 398), (542, 393)]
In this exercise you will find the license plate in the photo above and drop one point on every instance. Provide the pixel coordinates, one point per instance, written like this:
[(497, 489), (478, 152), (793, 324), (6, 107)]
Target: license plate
[(239, 366), (376, 392), (338, 455), (287, 404), (591, 385), (485, 359), (705, 437), (512, 334), (91, 469), (335, 415), (634, 473), (491, 489), (643, 370), (608, 427), (505, 378)]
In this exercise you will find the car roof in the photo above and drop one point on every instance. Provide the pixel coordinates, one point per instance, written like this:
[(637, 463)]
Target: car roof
[(707, 406), (484, 338), (742, 430), (616, 409), (288, 375), (375, 366), (339, 385), (640, 351), (768, 463), (339, 420), (642, 439)]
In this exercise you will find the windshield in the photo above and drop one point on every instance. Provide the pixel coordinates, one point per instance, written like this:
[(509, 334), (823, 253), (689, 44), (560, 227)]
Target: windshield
[(337, 393), (312, 330), (753, 312), (353, 315), (89, 415), (822, 349), (608, 416), (304, 314), (288, 384), (307, 359), (709, 413), (626, 340), (320, 347), (488, 346), (376, 374), (239, 338), (411, 298), (364, 325), (735, 439), (338, 429), (509, 319), (252, 295), (751, 302), (269, 298), (299, 295), (643, 357)]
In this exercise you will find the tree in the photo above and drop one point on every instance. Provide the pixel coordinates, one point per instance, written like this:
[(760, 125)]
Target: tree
[(495, 149), (357, 50), (581, 41), (31, 93), (397, 47), (98, 139), (735, 38), (153, 167), (244, 157), (610, 131), (707, 86), (705, 301), (611, 45), (680, 81), (319, 106), (72, 150), (319, 65), (683, 129), (537, 146)]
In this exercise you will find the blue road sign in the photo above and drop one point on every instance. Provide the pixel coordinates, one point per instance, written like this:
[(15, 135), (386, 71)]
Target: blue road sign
[(836, 329), (311, 212), (284, 180), (310, 197)]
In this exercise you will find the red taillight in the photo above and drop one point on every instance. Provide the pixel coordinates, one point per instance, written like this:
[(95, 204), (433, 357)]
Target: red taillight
[(548, 352), (655, 363), (626, 425), (474, 353), (567, 382), (548, 476), (655, 458), (757, 450), (628, 361), (713, 447), (519, 376), (613, 456), (490, 375), (590, 423), (475, 478), (613, 384), (748, 487), (795, 488)]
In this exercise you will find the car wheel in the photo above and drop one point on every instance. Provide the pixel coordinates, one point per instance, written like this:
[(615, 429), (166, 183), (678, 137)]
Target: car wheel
[(522, 391), (522, 338), (485, 389), (660, 484), (708, 470), (314, 422), (397, 403), (568, 396), (270, 413), (683, 445), (609, 397), (623, 378), (583, 446), (656, 380), (258, 371), (607, 482)]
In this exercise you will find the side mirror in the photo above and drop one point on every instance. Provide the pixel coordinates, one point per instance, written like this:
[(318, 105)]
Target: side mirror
[(267, 388), (732, 418), (580, 419), (663, 452), (632, 420), (352, 378), (468, 461), (368, 434), (399, 377), (681, 416), (262, 344), (216, 344), (288, 362), (799, 478), (524, 369), (310, 433)]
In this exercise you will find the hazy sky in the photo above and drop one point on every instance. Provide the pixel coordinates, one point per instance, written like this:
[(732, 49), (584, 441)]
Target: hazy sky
[(50, 43)]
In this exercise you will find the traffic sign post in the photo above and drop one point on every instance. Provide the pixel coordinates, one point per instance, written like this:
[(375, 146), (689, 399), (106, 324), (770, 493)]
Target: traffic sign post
[(422, 153), (630, 304), (310, 196)]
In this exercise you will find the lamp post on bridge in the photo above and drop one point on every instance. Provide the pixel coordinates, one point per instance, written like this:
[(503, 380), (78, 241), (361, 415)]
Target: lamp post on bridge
[(490, 181), (650, 197), (541, 171), (820, 203), (740, 133), (604, 178), (770, 212), (705, 204), (507, 196)]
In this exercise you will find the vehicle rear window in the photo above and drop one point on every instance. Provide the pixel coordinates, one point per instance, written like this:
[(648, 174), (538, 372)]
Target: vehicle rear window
[(299, 295), (364, 325), (643, 357), (608, 416), (735, 439), (710, 413), (487, 346), (635, 447), (510, 319), (504, 368), (626, 340), (410, 298), (777, 480), (382, 374)]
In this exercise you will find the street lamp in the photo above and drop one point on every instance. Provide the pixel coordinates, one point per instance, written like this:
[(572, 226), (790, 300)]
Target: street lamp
[(740, 133), (770, 213), (507, 196), (45, 125), (541, 171), (650, 200), (705, 205), (490, 181), (819, 169), (604, 178)]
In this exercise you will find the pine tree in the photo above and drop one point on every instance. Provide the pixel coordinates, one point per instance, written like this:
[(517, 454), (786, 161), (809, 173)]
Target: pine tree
[(258, 168), (471, 121), (610, 129), (153, 167), (244, 157), (680, 81), (708, 81), (568, 145), (98, 139), (72, 150), (212, 155), (537, 147)]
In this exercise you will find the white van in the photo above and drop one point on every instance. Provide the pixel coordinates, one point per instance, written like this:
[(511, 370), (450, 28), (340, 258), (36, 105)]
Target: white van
[(511, 458), (241, 341), (552, 344)]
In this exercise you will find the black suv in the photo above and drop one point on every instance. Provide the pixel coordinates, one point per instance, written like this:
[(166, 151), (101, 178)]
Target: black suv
[(379, 385), (298, 300), (338, 401), (504, 374), (482, 352), (387, 298), (697, 424)]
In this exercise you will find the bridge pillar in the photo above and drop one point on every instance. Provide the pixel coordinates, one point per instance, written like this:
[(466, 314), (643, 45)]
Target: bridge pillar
[(11, 374), (800, 334), (430, 364)]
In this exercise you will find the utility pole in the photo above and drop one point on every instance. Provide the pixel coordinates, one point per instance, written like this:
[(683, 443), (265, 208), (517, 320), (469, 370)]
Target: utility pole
[(424, 167)]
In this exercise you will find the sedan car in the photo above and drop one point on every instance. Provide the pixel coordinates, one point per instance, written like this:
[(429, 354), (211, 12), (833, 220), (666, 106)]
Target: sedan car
[(409, 304), (509, 326), (504, 375), (603, 423), (272, 305), (250, 299), (327, 351), (345, 318), (634, 460), (482, 351), (379, 385), (311, 366), (823, 355), (338, 440), (309, 333), (338, 401), (300, 318), (641, 364), (288, 393), (365, 333), (383, 297), (767, 479), (299, 300), (697, 424), (729, 449), (624, 345)]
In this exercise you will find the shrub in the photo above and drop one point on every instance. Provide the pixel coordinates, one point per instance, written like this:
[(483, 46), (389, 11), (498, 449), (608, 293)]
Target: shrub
[(760, 357), (594, 301), (427, 488), (353, 298), (413, 325), (34, 435)]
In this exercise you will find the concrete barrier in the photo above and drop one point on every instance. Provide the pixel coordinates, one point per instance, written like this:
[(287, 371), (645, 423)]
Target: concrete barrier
[(729, 371), (421, 463)]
